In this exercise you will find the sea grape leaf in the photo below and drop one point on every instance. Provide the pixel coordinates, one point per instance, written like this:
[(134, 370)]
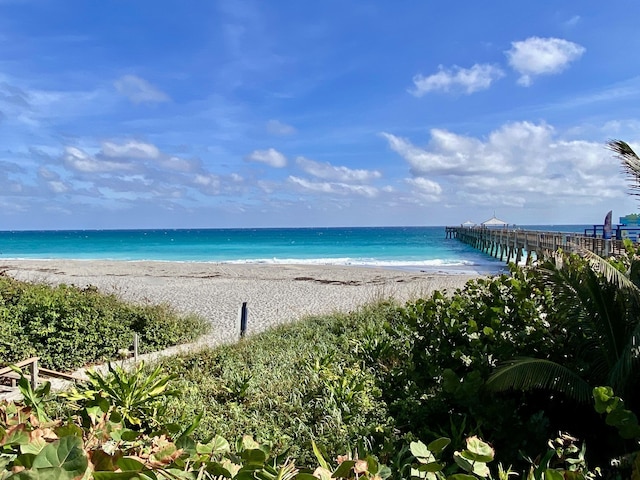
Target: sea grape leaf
[(438, 445), (35, 446), (478, 451), (16, 435), (605, 399), (69, 430), (421, 452), (477, 468), (62, 459), (129, 464)]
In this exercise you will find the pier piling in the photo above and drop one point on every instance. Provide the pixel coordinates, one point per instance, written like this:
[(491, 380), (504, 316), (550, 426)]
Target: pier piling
[(517, 244)]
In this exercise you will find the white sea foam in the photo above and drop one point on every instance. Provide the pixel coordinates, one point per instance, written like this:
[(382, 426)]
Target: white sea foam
[(355, 262)]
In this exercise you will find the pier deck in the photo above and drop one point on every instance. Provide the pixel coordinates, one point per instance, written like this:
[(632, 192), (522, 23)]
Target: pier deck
[(511, 245)]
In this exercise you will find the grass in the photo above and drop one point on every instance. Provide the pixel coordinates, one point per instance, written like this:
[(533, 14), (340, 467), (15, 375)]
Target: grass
[(287, 386)]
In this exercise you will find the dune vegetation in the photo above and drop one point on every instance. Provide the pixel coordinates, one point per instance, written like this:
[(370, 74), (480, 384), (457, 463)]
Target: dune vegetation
[(69, 327)]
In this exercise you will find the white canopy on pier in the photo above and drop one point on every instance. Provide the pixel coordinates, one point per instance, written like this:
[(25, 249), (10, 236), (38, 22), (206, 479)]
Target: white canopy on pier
[(494, 222)]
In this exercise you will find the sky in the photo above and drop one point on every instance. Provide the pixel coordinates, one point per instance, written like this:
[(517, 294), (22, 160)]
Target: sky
[(284, 113)]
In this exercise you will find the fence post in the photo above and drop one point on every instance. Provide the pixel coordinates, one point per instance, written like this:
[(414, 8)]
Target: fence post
[(242, 319), (34, 374), (135, 346)]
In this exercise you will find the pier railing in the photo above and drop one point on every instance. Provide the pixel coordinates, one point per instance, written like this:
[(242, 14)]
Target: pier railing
[(511, 244)]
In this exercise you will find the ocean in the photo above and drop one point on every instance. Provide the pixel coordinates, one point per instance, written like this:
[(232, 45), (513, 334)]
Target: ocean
[(415, 248)]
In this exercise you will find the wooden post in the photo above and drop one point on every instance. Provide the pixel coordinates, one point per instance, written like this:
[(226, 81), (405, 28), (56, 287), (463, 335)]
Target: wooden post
[(135, 346), (242, 319), (34, 374)]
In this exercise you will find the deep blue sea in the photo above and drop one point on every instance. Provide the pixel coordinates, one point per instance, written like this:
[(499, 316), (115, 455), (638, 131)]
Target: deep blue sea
[(423, 248)]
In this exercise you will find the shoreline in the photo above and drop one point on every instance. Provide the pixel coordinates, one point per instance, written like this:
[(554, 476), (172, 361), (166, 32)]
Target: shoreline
[(275, 293), (477, 269)]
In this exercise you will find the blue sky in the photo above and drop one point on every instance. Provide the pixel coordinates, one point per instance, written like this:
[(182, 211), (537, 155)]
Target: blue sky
[(234, 113)]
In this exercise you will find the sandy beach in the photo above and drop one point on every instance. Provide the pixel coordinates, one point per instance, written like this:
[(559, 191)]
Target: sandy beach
[(274, 293)]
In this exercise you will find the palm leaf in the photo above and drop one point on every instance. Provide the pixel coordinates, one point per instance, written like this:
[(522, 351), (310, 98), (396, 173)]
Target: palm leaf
[(611, 273), (622, 375), (533, 373), (630, 161), (593, 301)]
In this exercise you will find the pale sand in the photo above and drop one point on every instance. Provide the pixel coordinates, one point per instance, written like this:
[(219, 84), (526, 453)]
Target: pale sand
[(274, 293)]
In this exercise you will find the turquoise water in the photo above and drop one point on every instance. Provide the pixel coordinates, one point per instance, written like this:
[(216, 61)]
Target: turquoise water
[(424, 248)]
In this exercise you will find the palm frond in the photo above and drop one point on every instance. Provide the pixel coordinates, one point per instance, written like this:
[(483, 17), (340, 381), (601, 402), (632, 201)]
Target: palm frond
[(623, 375), (594, 299), (533, 373), (630, 161), (610, 273)]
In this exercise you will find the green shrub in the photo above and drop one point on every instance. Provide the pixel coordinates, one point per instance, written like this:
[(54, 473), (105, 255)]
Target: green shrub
[(433, 355), (69, 327), (288, 386), (96, 443)]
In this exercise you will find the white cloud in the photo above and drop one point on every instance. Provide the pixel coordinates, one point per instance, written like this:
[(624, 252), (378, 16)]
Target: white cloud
[(468, 80), (57, 186), (425, 185), (178, 164), (271, 157), (573, 21), (326, 171), (542, 56), (138, 90), (276, 127), (130, 149), (517, 164), (133, 170), (81, 161), (454, 154), (135, 150), (334, 188), (208, 182)]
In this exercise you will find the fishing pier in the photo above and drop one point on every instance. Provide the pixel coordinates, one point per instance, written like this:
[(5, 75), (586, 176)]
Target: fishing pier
[(513, 245)]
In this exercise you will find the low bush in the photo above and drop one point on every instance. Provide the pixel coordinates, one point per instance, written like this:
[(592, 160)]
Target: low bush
[(439, 351), (69, 327), (96, 442), (288, 386)]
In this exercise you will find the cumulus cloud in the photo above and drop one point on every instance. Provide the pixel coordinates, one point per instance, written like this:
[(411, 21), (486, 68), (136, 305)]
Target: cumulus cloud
[(542, 56), (425, 185), (79, 160), (208, 182), (326, 171), (57, 186), (333, 188), (520, 163), (52, 180), (271, 157), (454, 154), (456, 79), (276, 127), (138, 90), (130, 149), (126, 171)]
